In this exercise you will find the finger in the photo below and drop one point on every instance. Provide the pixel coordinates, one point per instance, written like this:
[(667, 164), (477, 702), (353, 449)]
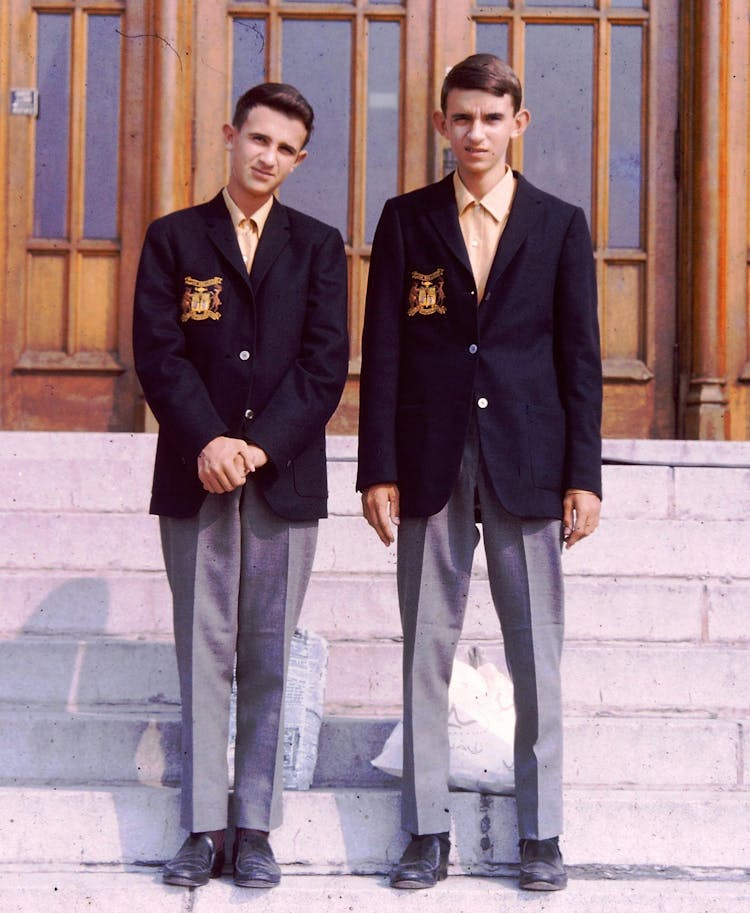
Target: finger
[(375, 509)]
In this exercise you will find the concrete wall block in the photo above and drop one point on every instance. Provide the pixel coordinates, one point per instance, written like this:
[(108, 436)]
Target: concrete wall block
[(597, 608), (729, 613), (362, 832), (653, 548), (637, 492), (596, 678), (365, 606), (703, 493), (80, 673), (87, 485), (74, 541), (115, 603), (90, 747), (668, 753)]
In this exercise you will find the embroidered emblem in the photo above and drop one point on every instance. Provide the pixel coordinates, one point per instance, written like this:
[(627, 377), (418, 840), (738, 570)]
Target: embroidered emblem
[(426, 295), (201, 299)]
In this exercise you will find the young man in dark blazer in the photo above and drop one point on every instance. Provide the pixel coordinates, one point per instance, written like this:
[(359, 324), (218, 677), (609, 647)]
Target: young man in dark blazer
[(481, 399), (241, 347)]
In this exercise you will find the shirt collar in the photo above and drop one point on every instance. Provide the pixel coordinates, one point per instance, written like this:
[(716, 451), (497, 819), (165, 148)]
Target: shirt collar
[(259, 216), (496, 202)]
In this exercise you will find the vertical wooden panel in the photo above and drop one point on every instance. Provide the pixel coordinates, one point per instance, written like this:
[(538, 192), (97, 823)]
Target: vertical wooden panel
[(96, 305), (46, 305)]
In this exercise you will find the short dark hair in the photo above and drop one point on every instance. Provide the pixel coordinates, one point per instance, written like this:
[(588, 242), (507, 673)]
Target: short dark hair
[(279, 96), (485, 72)]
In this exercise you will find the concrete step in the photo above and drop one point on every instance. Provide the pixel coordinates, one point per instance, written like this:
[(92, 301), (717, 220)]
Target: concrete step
[(115, 745), (355, 606), (628, 547), (366, 676), (112, 472), (358, 831), (141, 889)]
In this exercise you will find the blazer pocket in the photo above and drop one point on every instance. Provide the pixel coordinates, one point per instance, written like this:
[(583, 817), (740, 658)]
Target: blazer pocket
[(545, 429), (309, 473)]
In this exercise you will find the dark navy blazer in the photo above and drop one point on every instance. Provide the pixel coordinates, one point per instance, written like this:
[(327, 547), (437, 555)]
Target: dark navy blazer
[(261, 357), (525, 362)]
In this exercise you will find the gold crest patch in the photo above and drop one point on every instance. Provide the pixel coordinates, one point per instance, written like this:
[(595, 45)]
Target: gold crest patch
[(426, 295), (201, 299)]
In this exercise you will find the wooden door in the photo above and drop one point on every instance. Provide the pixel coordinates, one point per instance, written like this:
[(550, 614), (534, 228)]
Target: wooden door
[(363, 65), (600, 79), (71, 148)]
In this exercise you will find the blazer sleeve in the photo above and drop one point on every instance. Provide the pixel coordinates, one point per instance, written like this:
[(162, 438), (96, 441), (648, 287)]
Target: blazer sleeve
[(309, 391), (381, 344), (171, 384), (578, 358)]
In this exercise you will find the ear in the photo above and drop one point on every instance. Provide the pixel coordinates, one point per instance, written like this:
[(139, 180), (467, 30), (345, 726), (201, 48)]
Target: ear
[(301, 156), (228, 131), (439, 123), (521, 122)]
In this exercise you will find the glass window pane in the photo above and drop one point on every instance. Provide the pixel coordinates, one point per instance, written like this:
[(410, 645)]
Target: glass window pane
[(492, 38), (625, 137), (52, 128), (317, 58), (384, 54), (102, 127), (559, 93), (629, 4), (249, 55)]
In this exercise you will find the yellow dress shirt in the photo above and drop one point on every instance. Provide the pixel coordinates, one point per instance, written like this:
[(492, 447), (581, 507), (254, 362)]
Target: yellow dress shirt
[(248, 230), (482, 223)]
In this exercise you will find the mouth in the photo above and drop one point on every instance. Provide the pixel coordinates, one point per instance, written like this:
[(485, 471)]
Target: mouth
[(259, 173)]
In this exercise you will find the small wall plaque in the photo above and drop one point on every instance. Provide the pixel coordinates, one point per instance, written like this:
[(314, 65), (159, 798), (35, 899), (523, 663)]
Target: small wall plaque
[(24, 101)]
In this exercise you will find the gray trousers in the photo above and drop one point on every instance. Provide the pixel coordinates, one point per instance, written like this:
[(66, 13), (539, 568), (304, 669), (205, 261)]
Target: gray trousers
[(238, 574), (435, 557)]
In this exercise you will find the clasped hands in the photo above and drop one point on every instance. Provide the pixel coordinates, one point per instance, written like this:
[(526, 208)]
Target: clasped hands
[(225, 462), (380, 507)]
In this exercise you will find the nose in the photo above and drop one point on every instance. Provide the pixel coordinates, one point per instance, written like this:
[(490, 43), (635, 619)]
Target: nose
[(268, 157), (476, 129)]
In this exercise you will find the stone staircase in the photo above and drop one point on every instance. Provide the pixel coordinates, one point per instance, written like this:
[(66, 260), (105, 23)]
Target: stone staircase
[(657, 690)]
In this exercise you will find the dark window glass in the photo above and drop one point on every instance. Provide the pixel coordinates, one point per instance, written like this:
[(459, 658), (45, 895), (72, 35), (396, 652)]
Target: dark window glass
[(102, 127), (249, 55), (492, 38), (382, 119), (317, 59), (53, 126), (625, 166), (559, 93)]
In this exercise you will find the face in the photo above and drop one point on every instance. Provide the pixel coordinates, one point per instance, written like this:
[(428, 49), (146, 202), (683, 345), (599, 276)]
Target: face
[(479, 126), (262, 154)]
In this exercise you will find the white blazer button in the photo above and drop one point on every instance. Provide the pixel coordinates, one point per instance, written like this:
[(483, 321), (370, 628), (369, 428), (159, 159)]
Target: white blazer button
[(244, 355), (482, 403), (473, 348), (249, 413)]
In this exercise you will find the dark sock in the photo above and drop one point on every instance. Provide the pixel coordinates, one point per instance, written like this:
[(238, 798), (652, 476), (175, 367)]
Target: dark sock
[(216, 836)]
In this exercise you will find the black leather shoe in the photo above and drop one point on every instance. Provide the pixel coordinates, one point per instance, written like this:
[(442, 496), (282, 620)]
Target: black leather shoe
[(424, 863), (542, 866), (254, 863), (196, 862)]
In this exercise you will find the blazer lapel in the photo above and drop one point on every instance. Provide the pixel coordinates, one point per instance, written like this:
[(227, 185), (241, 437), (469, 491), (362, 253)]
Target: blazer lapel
[(444, 216), (523, 213), (274, 239), (222, 234)]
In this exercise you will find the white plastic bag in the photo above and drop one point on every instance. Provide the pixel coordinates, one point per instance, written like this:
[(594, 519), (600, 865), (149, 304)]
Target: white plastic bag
[(481, 722)]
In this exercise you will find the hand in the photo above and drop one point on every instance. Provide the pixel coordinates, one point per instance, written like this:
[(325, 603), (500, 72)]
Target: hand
[(224, 463), (580, 515), (380, 507)]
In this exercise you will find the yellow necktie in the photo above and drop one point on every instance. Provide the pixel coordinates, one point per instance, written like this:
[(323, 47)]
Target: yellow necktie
[(247, 235)]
